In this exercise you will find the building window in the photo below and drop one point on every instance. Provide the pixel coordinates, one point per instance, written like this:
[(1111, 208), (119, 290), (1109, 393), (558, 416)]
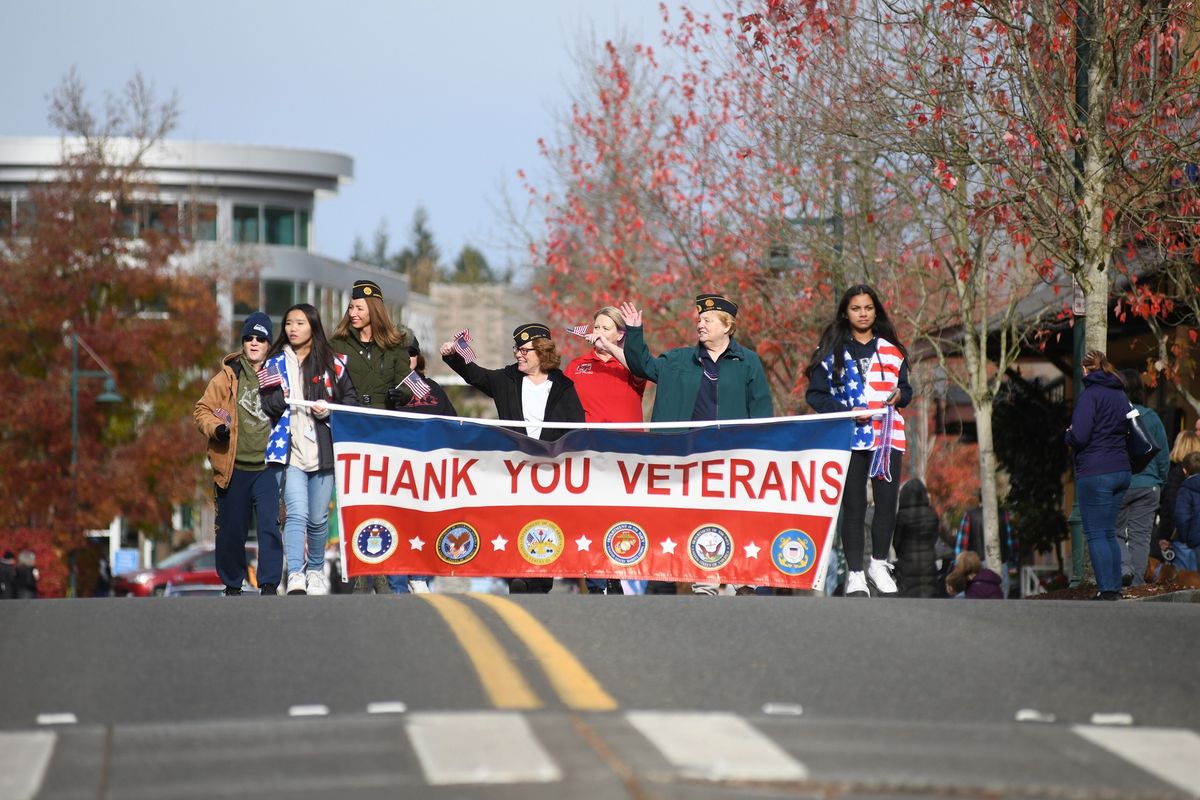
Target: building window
[(304, 229), (280, 296), (25, 214), (280, 225), (245, 224), (201, 221), (245, 297), (7, 205)]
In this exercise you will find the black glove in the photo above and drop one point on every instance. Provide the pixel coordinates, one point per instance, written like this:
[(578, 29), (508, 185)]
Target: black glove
[(398, 396), (221, 434)]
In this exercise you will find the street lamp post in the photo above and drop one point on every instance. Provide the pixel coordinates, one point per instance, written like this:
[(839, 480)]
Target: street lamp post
[(109, 395)]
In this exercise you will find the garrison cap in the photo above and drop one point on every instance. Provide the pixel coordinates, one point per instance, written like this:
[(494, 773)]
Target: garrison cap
[(364, 289), (715, 302), (527, 333)]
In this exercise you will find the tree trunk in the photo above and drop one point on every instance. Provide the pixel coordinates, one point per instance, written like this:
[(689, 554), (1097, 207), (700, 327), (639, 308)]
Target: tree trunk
[(987, 483)]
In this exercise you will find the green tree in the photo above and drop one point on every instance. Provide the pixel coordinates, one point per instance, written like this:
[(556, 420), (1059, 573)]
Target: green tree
[(471, 266), (377, 254)]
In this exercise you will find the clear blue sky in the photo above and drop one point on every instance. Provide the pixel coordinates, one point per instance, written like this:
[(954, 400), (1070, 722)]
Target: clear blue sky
[(439, 103)]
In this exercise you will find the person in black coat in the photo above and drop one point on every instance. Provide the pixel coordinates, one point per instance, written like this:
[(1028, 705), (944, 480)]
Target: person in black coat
[(537, 365), (532, 391), (8, 576), (916, 531)]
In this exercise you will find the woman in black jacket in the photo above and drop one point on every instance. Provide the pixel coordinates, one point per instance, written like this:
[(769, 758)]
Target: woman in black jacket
[(916, 531), (532, 391)]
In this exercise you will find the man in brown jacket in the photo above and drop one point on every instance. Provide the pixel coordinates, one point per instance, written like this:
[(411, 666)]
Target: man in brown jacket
[(230, 414)]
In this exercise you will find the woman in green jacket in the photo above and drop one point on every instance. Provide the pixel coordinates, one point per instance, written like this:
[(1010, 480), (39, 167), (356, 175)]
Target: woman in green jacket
[(714, 379)]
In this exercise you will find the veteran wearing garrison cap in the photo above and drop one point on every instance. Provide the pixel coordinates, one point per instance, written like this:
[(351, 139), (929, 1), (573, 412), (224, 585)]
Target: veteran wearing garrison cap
[(714, 379), (531, 391), (377, 350)]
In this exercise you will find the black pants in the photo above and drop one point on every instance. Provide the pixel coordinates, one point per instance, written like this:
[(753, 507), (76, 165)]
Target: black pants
[(258, 490), (854, 508), (530, 585)]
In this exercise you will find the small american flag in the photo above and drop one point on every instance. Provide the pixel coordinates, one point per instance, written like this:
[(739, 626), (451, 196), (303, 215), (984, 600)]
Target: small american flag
[(462, 345), (580, 330), (420, 388), (270, 376)]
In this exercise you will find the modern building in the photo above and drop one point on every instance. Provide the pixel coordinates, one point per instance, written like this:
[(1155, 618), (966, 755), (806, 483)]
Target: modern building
[(249, 210)]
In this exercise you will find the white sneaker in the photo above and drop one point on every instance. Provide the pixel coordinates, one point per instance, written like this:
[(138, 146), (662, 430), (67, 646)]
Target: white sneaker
[(880, 574), (418, 587), (296, 583), (856, 584), (317, 582)]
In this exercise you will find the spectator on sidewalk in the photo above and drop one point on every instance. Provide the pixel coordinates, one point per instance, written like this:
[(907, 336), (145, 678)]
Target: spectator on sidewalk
[(917, 527), (8, 576), (1185, 442), (1135, 519), (27, 575), (970, 536), (973, 581), (1186, 541)]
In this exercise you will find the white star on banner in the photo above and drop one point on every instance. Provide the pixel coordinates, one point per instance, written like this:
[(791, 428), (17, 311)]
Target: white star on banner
[(498, 543), (668, 546), (752, 550), (583, 543), (415, 543)]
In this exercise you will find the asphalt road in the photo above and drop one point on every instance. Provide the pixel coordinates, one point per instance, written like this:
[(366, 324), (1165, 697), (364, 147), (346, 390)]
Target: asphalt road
[(487, 696)]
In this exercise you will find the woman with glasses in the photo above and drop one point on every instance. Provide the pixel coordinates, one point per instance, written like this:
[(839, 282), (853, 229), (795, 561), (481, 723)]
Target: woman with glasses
[(231, 415), (531, 391), (860, 364)]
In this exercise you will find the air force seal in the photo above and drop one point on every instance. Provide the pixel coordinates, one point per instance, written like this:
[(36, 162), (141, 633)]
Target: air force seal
[(793, 552), (710, 547), (540, 542), (458, 544), (374, 541), (625, 544)]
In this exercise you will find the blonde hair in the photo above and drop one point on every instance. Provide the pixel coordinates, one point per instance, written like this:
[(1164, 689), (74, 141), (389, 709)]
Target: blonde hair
[(612, 313), (384, 332), (1186, 442), (1095, 360), (726, 318)]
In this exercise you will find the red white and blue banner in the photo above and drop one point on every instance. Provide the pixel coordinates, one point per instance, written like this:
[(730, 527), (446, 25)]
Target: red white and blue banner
[(742, 503)]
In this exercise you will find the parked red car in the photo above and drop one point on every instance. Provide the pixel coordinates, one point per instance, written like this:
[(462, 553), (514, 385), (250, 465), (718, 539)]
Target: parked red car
[(195, 565)]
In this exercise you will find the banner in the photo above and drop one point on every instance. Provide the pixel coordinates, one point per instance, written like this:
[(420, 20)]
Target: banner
[(743, 503)]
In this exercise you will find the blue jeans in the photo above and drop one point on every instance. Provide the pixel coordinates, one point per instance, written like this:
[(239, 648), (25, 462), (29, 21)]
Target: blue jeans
[(399, 583), (1185, 557), (306, 496), (1100, 499)]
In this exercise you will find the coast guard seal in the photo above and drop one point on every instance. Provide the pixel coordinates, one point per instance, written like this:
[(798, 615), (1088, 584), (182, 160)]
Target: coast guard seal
[(793, 552)]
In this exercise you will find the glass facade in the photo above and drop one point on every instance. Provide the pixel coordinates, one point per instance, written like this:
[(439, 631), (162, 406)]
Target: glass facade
[(303, 230), (245, 224), (245, 297), (280, 225), (7, 211), (279, 296), (201, 221)]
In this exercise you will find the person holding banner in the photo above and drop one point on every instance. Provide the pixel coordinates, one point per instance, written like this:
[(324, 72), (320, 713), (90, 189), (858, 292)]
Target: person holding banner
[(532, 391), (378, 358), (302, 365), (860, 364), (231, 415), (608, 390), (714, 379)]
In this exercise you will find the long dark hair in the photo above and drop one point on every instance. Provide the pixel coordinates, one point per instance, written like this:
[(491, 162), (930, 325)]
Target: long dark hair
[(319, 359), (838, 333)]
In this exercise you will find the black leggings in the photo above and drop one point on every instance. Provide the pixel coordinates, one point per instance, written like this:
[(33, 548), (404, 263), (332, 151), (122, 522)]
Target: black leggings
[(854, 508)]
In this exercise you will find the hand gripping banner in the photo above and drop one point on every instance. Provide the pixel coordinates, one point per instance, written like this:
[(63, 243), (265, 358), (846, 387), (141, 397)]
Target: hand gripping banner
[(733, 502)]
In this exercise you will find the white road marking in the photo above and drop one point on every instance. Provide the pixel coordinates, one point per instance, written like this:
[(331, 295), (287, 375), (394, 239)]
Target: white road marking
[(386, 708), (1119, 718), (23, 761), (716, 746), (315, 710), (1172, 754), (65, 718), (479, 747), (1033, 715), (783, 709)]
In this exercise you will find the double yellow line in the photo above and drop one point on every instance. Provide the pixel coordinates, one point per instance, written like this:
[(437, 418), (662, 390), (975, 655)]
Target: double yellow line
[(505, 686)]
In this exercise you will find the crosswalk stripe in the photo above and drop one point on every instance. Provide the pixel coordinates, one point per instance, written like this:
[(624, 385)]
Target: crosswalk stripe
[(716, 746), (23, 761), (479, 747), (1172, 754)]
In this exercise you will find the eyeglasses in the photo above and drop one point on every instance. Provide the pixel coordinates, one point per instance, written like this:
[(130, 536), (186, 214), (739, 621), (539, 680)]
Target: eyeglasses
[(259, 339), (522, 350)]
